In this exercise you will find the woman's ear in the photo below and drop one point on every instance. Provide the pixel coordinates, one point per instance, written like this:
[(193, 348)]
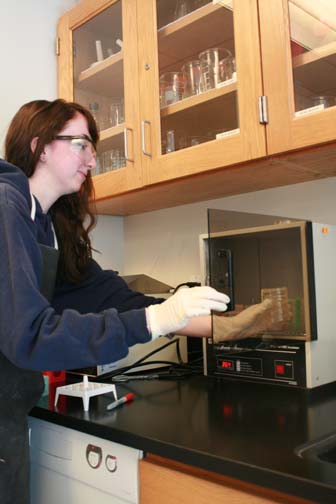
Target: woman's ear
[(33, 145)]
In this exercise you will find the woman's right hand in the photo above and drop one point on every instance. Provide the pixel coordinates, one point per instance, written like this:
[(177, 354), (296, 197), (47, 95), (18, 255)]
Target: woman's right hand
[(174, 313)]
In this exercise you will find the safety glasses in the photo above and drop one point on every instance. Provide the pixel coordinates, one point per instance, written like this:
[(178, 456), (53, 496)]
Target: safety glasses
[(81, 145)]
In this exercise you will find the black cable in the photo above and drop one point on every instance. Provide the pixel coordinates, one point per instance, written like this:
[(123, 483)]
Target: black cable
[(187, 284), (135, 364), (170, 373)]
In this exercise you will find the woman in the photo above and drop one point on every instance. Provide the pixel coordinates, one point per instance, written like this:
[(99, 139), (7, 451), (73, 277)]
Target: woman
[(94, 318)]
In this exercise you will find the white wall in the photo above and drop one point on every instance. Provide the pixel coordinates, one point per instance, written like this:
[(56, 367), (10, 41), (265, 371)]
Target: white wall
[(164, 244), (27, 51), (108, 240)]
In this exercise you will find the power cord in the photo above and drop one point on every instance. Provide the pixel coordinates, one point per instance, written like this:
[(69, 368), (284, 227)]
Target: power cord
[(187, 284), (176, 370)]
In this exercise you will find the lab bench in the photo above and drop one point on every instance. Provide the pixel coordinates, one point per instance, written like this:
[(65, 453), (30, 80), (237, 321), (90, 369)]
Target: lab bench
[(240, 433)]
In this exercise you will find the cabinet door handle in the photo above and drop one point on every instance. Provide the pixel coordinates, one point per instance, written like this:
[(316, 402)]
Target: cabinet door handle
[(143, 139), (126, 144)]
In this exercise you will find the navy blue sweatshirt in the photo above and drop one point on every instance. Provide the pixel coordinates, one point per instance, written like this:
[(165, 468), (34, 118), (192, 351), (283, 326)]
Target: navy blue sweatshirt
[(93, 322)]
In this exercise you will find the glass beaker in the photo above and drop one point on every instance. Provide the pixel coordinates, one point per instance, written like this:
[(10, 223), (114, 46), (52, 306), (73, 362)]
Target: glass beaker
[(280, 312), (171, 88), (107, 161), (182, 8), (118, 160), (209, 60), (192, 76), (95, 112), (170, 142), (117, 112), (226, 69)]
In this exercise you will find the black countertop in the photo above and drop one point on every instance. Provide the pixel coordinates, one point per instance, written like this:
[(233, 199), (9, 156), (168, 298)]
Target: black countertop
[(242, 430)]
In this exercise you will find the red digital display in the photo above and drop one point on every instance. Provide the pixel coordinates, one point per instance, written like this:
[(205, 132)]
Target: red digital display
[(227, 411), (227, 364)]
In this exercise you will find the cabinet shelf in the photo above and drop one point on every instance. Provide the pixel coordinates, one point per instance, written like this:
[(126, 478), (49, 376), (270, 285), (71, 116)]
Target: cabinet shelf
[(326, 52), (196, 100), (111, 138), (314, 69), (203, 119), (184, 38), (106, 76)]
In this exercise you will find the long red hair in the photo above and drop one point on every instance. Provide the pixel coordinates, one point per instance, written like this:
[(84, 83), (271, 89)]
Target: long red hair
[(71, 214)]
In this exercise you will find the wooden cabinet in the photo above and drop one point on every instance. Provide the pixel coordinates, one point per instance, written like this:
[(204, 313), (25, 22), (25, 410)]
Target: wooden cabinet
[(189, 75), (168, 482), (298, 42), (227, 109)]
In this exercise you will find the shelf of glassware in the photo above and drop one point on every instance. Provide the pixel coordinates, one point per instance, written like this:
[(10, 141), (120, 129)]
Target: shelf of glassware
[(188, 35), (105, 78), (201, 110)]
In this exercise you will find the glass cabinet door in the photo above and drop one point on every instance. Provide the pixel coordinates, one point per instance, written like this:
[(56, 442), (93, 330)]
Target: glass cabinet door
[(206, 79), (298, 40), (104, 60), (313, 49), (197, 73), (99, 80)]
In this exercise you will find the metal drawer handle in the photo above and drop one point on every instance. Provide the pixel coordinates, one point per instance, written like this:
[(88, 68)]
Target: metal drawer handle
[(143, 140), (126, 144)]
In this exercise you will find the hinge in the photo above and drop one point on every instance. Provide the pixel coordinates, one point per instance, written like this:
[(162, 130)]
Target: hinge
[(57, 46), (263, 112)]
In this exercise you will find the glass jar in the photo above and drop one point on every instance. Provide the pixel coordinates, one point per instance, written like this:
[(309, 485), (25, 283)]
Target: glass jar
[(116, 112), (182, 8), (172, 85), (209, 60), (226, 69), (192, 77)]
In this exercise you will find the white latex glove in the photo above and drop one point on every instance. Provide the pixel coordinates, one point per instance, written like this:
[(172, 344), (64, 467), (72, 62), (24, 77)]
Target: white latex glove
[(174, 314), (247, 323)]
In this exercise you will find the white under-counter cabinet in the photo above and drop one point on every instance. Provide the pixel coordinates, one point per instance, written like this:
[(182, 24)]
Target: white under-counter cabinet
[(71, 467)]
